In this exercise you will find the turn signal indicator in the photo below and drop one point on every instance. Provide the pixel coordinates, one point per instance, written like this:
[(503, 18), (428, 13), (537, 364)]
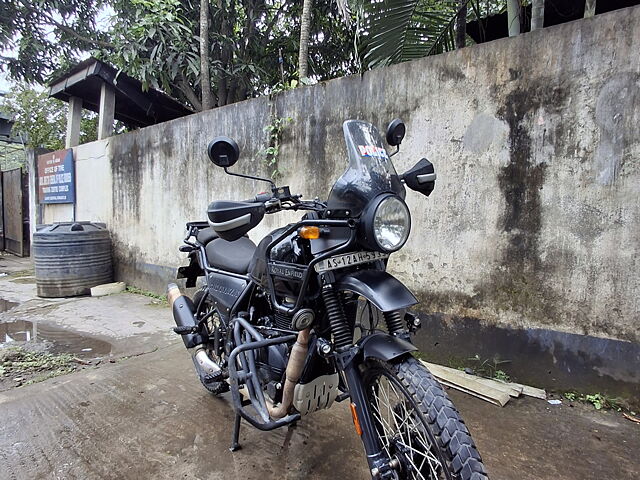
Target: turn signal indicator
[(309, 233)]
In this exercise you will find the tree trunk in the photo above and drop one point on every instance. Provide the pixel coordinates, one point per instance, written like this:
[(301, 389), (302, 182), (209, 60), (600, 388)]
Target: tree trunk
[(513, 16), (305, 26), (226, 54), (537, 14), (589, 8), (205, 75), (461, 24)]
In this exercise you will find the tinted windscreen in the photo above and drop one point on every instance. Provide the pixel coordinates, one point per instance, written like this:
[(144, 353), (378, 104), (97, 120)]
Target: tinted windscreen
[(369, 174)]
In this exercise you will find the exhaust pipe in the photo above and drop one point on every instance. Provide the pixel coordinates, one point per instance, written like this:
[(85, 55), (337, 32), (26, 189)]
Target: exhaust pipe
[(294, 371), (184, 316)]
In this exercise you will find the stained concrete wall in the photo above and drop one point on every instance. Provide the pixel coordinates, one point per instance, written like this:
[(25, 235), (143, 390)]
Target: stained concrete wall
[(534, 221)]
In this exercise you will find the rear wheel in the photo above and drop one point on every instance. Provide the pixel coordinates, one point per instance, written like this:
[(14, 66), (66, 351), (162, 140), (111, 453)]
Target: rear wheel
[(418, 426), (214, 329)]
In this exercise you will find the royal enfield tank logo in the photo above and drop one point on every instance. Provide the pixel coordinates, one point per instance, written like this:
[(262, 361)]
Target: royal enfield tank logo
[(292, 273)]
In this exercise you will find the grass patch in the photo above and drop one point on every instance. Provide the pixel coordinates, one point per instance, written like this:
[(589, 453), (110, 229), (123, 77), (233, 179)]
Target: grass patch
[(162, 299), (483, 368), (16, 362), (22, 273), (488, 368), (598, 400)]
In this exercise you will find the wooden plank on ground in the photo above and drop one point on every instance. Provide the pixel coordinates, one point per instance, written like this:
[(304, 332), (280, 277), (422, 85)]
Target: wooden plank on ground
[(496, 401), (530, 391), (513, 391), (468, 384), (511, 387)]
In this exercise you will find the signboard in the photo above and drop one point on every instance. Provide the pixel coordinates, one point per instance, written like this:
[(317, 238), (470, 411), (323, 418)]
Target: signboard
[(56, 177)]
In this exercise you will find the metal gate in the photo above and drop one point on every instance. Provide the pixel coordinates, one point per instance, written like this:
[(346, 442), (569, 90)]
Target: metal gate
[(14, 206)]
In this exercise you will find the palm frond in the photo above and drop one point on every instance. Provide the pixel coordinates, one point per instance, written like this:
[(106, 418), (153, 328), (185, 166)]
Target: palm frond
[(394, 31)]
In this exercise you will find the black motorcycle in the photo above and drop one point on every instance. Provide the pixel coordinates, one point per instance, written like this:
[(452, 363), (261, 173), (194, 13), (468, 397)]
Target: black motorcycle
[(310, 316)]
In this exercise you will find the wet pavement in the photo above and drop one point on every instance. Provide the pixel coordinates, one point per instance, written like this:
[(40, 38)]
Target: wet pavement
[(53, 339), (146, 415)]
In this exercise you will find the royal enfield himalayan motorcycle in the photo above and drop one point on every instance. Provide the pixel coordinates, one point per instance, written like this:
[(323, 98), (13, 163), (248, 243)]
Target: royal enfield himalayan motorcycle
[(310, 317)]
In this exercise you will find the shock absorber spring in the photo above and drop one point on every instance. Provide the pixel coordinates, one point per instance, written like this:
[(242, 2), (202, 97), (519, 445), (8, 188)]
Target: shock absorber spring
[(394, 322), (337, 319)]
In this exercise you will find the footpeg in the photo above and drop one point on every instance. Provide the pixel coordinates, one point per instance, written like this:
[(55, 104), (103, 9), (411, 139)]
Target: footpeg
[(185, 330), (213, 377)]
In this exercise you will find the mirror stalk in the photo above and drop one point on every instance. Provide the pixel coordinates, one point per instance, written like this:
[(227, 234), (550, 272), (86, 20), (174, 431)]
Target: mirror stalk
[(273, 185)]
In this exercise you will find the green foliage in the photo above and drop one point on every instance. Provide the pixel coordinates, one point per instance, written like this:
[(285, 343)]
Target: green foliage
[(394, 31), (42, 36), (598, 400), (154, 42), (158, 43), (16, 361), (42, 121), (138, 291), (246, 38), (501, 375), (489, 367), (274, 137)]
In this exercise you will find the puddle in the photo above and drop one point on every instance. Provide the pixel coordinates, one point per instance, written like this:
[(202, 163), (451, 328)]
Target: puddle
[(6, 305), (53, 339)]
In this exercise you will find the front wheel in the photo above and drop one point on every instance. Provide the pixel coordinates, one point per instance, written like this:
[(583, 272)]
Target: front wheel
[(418, 426)]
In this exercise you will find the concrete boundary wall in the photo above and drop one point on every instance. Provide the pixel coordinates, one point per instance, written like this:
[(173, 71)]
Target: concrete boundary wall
[(534, 221)]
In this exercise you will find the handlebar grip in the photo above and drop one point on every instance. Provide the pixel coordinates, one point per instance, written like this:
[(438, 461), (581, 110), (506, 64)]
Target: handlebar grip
[(263, 197)]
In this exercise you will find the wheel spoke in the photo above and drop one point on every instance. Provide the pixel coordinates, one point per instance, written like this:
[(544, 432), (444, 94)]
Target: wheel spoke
[(401, 431)]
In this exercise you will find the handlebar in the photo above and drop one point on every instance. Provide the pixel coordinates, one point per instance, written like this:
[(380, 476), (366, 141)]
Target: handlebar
[(280, 198)]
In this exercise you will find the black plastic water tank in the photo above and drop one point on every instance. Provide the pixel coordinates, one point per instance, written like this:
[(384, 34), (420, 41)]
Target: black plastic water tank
[(71, 257)]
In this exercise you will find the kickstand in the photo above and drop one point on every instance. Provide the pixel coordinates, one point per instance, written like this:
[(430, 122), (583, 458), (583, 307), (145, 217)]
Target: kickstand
[(236, 434)]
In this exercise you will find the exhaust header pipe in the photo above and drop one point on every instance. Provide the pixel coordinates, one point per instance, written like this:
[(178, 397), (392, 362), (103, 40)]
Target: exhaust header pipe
[(294, 371)]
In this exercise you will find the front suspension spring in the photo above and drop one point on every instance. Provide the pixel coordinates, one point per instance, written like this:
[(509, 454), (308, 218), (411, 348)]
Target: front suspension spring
[(394, 322), (337, 319)]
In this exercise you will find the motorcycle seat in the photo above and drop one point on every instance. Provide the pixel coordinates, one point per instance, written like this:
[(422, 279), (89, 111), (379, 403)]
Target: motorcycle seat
[(205, 235), (231, 256)]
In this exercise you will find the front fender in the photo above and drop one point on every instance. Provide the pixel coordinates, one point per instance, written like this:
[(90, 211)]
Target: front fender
[(384, 346), (385, 291)]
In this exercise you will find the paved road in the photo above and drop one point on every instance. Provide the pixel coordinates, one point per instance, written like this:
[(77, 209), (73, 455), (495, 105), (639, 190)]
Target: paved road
[(147, 417)]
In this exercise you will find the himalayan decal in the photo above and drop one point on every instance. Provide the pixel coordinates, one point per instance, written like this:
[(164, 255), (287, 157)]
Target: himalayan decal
[(372, 151)]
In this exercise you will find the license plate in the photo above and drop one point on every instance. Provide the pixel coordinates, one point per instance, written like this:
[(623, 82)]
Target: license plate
[(348, 260)]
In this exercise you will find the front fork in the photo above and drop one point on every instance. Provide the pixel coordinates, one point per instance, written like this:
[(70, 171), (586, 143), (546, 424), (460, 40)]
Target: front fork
[(379, 463), (348, 360)]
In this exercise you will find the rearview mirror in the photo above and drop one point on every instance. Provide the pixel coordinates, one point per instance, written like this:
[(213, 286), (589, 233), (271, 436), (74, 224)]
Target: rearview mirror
[(421, 178), (395, 132), (223, 151)]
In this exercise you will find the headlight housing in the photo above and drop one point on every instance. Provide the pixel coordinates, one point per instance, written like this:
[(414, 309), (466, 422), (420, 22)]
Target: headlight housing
[(386, 223)]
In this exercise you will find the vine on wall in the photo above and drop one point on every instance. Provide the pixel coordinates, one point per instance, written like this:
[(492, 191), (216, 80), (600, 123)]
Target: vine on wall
[(274, 136)]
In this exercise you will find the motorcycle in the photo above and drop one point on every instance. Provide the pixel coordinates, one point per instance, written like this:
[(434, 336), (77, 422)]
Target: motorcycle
[(310, 317)]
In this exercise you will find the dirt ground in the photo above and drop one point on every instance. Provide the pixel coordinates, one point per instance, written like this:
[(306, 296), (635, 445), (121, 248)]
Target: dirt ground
[(138, 411)]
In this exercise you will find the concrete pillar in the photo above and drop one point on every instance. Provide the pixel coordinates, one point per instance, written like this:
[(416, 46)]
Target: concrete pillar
[(32, 170), (107, 111), (73, 122)]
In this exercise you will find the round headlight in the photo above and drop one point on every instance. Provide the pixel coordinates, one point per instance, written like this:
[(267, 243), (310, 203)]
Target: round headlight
[(391, 223)]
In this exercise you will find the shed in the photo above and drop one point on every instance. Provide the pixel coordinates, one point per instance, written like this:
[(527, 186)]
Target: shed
[(97, 86)]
